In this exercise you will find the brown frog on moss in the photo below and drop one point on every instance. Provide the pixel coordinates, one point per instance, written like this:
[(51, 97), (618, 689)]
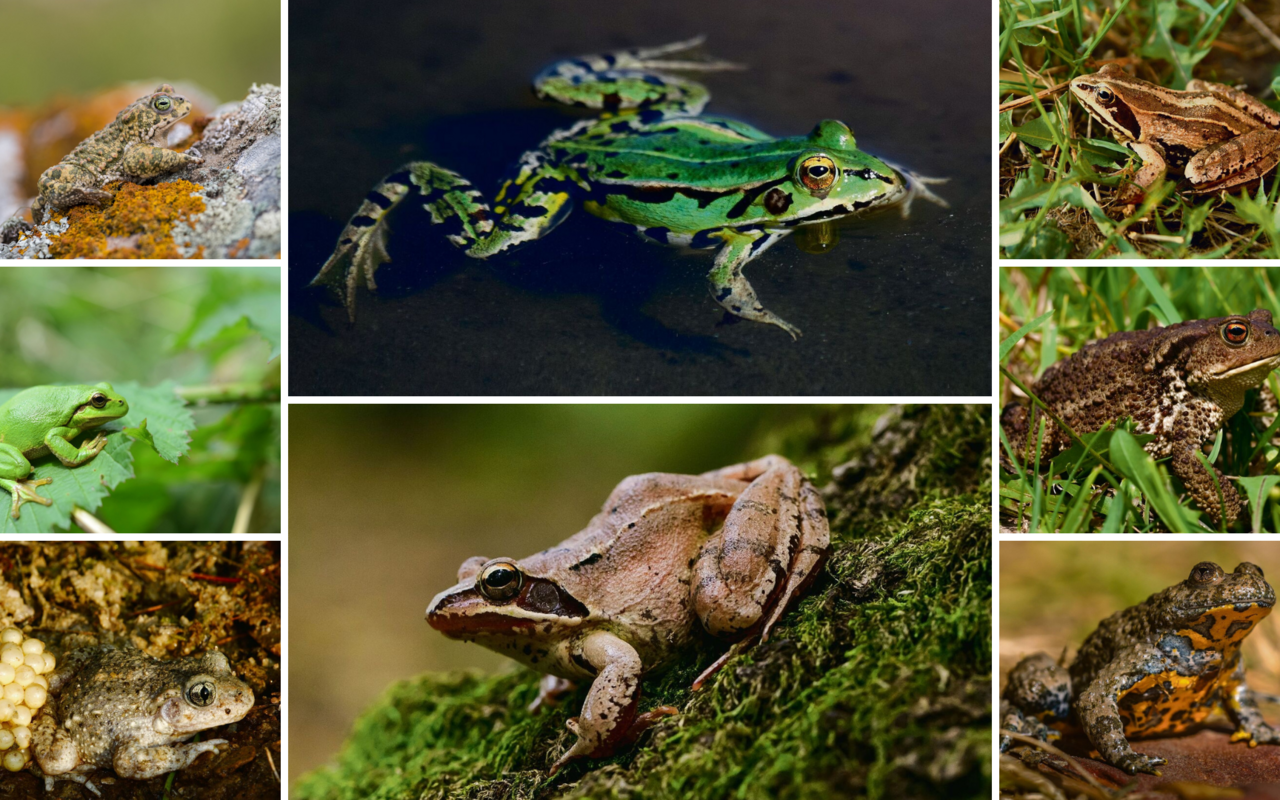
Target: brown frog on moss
[(1179, 383), (130, 148), (1158, 668)]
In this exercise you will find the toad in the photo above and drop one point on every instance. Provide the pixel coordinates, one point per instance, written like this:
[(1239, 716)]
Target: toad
[(1156, 669), (123, 710), (1178, 383), (129, 148)]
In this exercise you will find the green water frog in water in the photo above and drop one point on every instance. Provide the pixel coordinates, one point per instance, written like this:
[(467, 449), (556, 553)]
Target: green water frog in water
[(647, 160)]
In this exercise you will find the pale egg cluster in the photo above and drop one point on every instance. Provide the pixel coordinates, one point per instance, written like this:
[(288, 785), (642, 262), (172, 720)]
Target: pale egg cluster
[(23, 690)]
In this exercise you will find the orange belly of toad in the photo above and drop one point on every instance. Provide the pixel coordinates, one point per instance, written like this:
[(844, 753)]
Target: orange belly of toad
[(1166, 703)]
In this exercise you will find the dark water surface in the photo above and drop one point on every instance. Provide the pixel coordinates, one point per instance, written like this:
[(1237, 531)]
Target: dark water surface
[(899, 307)]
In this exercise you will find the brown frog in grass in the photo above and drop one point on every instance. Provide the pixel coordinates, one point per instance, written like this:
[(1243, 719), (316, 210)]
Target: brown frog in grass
[(129, 148), (1156, 669), (1178, 383)]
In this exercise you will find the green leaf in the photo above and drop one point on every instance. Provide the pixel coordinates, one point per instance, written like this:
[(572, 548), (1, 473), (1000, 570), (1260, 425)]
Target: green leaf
[(1150, 281), (156, 414), (1136, 465), (234, 304), (1256, 488), (1036, 132), (1017, 335)]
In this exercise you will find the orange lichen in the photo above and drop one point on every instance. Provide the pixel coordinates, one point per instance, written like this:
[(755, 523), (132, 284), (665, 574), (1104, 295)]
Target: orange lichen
[(137, 224)]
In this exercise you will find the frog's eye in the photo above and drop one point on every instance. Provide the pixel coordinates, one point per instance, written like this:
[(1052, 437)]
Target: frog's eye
[(500, 581), (817, 173), (1206, 573), (99, 400), (200, 694), (163, 103), (1235, 333), (1105, 95)]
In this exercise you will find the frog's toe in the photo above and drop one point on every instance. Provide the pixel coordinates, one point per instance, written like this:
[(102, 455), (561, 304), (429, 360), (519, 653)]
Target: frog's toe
[(1133, 763), (25, 492)]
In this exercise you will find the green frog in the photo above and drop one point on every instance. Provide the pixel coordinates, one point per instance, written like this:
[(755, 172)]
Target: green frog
[(1156, 669), (44, 419), (647, 160)]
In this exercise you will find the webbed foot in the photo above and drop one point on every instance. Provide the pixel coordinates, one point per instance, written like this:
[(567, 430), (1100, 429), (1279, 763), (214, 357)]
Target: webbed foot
[(25, 492), (362, 248)]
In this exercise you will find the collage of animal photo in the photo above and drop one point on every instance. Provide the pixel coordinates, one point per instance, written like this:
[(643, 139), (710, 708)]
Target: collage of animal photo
[(716, 400)]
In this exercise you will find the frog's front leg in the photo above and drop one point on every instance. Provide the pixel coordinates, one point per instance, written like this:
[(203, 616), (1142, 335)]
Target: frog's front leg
[(14, 467), (1204, 487), (609, 720), (1153, 169), (1235, 162), (57, 440), (730, 287), (1099, 713), (147, 161), (1242, 709), (770, 548), (528, 207)]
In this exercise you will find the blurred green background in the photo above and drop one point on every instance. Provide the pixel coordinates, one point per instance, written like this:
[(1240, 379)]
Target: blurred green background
[(386, 501), (1054, 593), (195, 326), (73, 46)]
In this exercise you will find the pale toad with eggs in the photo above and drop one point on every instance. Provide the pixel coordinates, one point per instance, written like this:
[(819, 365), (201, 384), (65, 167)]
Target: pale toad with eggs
[(123, 710)]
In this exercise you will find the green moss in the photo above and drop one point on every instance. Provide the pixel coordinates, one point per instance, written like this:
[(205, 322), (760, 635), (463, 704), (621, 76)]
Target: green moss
[(878, 684)]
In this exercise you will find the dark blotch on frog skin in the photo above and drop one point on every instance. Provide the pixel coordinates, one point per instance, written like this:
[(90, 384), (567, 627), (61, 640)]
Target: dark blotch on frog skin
[(777, 201)]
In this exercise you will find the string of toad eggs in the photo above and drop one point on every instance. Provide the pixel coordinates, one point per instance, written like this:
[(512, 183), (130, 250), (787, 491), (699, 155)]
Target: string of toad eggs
[(23, 690)]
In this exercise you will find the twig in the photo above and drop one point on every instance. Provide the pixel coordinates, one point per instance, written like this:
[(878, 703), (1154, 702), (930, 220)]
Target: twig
[(88, 522), (195, 576), (1259, 25), (248, 499)]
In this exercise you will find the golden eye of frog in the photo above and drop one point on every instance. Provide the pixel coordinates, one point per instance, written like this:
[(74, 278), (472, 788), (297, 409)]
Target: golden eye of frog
[(667, 557)]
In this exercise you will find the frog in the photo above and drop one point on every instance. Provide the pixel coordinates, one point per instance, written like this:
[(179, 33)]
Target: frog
[(128, 148), (1178, 383), (1158, 668), (122, 710), (649, 160), (1218, 137), (43, 420), (668, 558)]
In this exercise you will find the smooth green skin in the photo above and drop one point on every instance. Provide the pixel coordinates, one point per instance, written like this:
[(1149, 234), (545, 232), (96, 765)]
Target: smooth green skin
[(650, 160), (44, 419)]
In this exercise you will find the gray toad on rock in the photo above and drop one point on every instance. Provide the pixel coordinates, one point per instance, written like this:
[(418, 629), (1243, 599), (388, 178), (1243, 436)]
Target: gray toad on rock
[(123, 710), (1179, 383), (127, 149)]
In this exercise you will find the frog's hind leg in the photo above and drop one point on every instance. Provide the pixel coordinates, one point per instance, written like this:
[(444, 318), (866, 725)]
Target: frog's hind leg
[(14, 467), (66, 185), (529, 205), (730, 287), (630, 79)]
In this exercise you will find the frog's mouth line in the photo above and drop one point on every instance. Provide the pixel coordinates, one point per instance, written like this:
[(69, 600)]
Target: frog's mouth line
[(1271, 362), (1229, 606)]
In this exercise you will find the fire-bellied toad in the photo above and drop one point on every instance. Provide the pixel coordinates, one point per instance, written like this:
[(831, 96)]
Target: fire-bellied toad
[(1157, 668), (127, 149), (123, 710), (1178, 383)]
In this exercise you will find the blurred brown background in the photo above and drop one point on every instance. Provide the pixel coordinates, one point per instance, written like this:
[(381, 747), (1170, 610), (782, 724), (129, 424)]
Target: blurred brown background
[(1053, 594), (387, 501)]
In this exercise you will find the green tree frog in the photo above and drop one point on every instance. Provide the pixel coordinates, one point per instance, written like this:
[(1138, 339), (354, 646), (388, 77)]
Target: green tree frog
[(44, 419)]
